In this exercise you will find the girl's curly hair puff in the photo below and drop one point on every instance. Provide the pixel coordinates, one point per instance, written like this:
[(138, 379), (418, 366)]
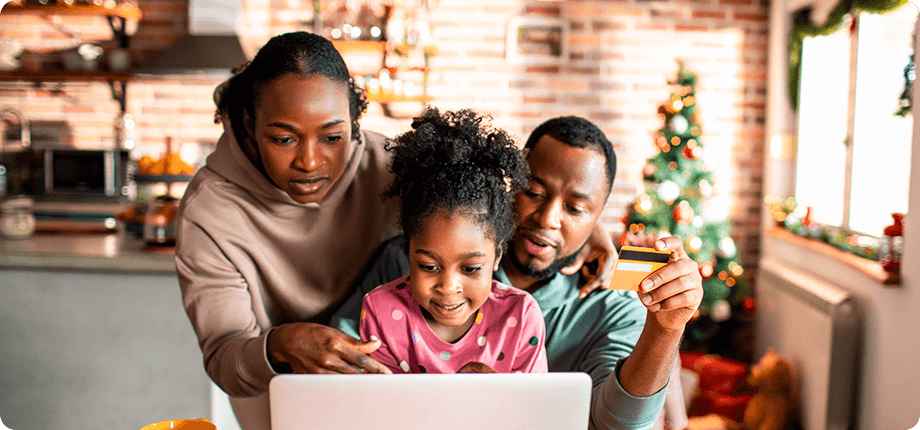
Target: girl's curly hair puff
[(455, 161)]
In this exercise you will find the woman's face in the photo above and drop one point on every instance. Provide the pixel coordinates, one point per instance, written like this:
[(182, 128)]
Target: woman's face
[(451, 260), (302, 128)]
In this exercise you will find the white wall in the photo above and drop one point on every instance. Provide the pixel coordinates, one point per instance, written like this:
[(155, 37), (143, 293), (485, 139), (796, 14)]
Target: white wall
[(889, 380)]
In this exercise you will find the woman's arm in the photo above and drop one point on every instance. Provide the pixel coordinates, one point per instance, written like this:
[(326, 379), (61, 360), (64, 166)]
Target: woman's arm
[(241, 356), (598, 256), (219, 306)]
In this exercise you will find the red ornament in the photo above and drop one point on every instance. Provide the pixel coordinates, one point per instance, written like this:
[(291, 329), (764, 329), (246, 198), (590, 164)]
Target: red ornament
[(692, 153), (749, 304), (683, 213), (809, 219)]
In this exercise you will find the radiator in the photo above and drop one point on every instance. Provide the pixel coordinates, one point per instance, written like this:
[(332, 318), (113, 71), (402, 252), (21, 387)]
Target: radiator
[(815, 325)]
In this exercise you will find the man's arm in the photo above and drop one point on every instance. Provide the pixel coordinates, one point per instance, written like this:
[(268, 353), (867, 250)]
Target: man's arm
[(671, 295), (611, 339)]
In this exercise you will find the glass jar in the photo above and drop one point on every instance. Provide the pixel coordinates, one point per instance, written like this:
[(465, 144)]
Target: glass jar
[(16, 219), (161, 221)]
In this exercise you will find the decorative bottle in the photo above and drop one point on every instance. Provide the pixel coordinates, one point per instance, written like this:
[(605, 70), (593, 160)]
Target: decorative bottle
[(891, 244)]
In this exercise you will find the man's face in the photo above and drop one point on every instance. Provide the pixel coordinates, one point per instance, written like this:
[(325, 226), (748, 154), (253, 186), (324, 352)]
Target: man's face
[(565, 197)]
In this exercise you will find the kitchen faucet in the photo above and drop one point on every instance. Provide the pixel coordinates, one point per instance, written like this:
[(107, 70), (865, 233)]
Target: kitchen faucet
[(25, 139)]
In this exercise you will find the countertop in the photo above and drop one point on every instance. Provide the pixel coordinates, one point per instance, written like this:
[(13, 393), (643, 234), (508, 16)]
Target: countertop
[(115, 252)]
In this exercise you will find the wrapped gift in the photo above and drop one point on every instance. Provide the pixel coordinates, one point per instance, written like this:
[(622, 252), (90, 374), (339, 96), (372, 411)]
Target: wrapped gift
[(730, 406), (717, 374)]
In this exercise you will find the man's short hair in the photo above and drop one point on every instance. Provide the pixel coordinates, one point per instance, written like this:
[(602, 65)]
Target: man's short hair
[(580, 133)]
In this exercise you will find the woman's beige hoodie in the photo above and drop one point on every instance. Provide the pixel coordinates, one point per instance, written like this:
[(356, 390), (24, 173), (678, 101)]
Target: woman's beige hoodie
[(250, 258)]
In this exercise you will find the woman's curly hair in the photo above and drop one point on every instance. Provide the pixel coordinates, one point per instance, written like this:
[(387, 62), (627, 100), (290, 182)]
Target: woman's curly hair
[(455, 161)]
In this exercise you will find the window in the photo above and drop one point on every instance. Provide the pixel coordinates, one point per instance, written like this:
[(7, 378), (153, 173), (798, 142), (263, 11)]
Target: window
[(853, 161)]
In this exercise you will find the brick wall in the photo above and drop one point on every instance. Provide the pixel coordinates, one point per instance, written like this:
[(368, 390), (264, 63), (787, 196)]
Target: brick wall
[(621, 54)]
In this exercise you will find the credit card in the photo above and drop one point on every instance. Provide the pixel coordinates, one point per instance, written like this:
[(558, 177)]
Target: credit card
[(634, 264)]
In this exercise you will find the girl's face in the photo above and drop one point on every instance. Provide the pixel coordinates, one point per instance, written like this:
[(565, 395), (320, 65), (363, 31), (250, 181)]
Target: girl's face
[(451, 261), (303, 131)]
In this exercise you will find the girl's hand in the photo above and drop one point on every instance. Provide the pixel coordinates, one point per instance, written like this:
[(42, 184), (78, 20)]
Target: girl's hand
[(596, 261), (315, 348), (674, 292), (476, 367)]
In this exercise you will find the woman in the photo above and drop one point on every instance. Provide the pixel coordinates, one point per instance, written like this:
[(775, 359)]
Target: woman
[(274, 229)]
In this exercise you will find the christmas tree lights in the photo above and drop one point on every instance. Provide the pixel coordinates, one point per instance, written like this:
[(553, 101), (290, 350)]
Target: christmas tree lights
[(680, 201)]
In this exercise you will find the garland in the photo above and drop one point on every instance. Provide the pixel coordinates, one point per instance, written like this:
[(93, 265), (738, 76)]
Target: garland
[(803, 26)]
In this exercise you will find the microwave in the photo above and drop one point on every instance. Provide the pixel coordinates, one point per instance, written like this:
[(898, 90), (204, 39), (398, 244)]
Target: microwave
[(69, 174)]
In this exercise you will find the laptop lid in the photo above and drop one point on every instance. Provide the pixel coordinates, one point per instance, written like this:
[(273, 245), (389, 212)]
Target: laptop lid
[(430, 401)]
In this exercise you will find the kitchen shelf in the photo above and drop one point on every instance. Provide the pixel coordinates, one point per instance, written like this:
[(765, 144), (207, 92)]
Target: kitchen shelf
[(64, 76), (392, 98), (117, 15), (374, 46), (168, 179), (359, 45), (122, 10), (118, 81)]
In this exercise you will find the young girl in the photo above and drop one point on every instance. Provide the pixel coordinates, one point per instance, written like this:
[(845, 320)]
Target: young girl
[(456, 179)]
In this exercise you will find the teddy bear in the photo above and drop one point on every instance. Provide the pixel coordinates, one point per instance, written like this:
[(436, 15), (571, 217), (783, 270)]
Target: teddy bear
[(771, 406)]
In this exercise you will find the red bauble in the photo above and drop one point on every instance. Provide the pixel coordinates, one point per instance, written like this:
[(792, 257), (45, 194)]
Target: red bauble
[(683, 213), (692, 153)]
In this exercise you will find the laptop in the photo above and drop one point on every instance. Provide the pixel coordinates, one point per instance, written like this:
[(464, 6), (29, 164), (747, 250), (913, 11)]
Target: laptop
[(469, 401)]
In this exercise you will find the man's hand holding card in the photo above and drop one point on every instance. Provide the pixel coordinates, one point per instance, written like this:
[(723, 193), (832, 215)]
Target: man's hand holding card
[(666, 280)]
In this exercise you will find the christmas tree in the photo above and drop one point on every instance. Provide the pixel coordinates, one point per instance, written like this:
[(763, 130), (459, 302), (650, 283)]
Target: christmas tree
[(680, 201)]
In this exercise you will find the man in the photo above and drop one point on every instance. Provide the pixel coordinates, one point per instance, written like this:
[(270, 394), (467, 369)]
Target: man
[(627, 347)]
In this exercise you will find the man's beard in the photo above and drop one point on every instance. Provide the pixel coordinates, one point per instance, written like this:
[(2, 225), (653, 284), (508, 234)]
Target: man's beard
[(532, 272)]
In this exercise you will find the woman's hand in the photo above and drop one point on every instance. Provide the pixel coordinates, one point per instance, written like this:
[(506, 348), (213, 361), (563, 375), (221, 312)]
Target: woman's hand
[(476, 367), (598, 255), (315, 348), (674, 292)]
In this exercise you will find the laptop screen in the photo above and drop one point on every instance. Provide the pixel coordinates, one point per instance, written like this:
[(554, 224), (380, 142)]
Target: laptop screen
[(430, 401)]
